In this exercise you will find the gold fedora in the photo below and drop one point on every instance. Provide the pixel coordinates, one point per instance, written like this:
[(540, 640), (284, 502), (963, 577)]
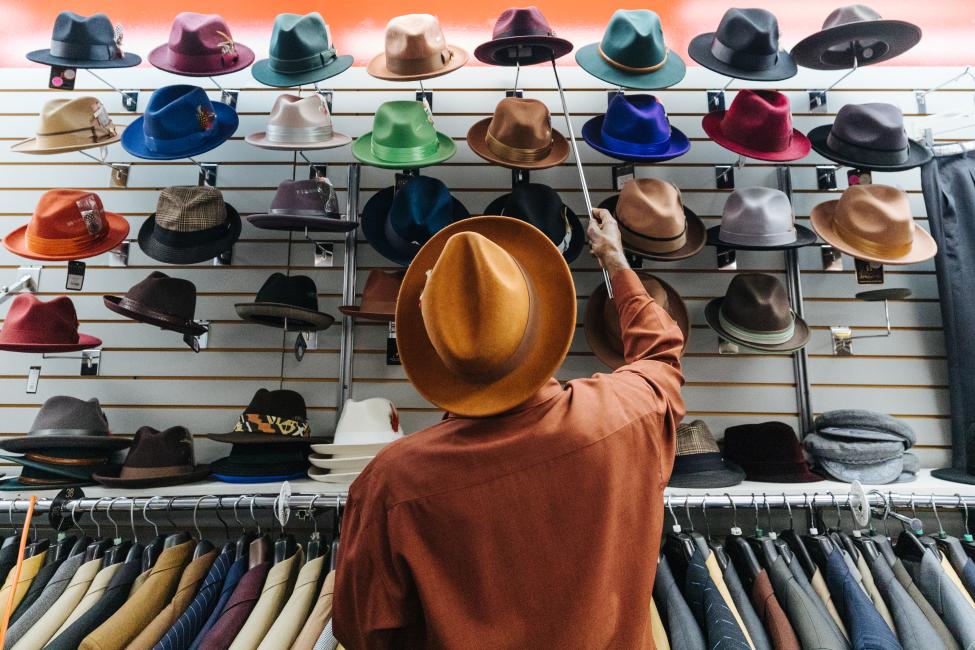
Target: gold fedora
[(519, 135), (71, 125), (415, 49)]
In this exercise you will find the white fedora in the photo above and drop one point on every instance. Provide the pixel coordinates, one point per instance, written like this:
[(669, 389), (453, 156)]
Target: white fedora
[(364, 428)]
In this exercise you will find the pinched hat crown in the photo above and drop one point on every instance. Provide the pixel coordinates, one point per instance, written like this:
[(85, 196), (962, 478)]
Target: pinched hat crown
[(757, 216), (650, 211), (196, 34), (876, 219), (520, 130), (876, 127), (747, 38), (757, 303), (415, 44), (84, 37), (61, 414), (634, 41), (54, 322), (70, 122)]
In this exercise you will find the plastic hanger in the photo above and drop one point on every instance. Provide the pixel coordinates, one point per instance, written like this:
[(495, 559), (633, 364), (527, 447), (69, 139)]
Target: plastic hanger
[(795, 542), (259, 549), (763, 541), (154, 548), (179, 537), (314, 549), (203, 546), (679, 547), (285, 545), (738, 550), (242, 546)]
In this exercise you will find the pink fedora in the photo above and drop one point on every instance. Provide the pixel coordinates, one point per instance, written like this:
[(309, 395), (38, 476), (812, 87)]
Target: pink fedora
[(298, 123), (201, 45)]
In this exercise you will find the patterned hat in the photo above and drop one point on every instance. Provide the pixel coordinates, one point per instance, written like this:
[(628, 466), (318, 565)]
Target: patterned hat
[(190, 225), (277, 417), (699, 463)]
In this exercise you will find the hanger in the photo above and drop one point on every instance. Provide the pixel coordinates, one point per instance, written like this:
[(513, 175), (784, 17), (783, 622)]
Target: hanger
[(949, 545), (120, 547), (228, 546), (203, 546), (96, 550), (12, 538), (818, 546), (61, 548), (679, 547), (136, 549), (333, 557), (285, 545), (910, 546), (780, 544), (81, 541), (968, 542), (762, 542), (314, 549), (699, 541), (179, 537), (243, 543), (260, 548), (738, 549), (154, 548), (716, 545), (796, 542), (840, 537)]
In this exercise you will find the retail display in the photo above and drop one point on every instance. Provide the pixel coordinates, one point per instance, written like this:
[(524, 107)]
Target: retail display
[(416, 49), (863, 446), (379, 294), (755, 312), (855, 36), (288, 302), (190, 225), (522, 36), (869, 136), (301, 52), (311, 206), (201, 45), (156, 459), (745, 46), (699, 463), (403, 137), (758, 124), (85, 42), (363, 430), (542, 207), (759, 218), (769, 452), (519, 135), (35, 325), (298, 124), (70, 125), (635, 127), (162, 301)]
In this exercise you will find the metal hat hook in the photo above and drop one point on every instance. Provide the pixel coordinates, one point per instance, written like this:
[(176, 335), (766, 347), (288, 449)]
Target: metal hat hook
[(223, 522), (311, 511), (754, 504), (145, 509)]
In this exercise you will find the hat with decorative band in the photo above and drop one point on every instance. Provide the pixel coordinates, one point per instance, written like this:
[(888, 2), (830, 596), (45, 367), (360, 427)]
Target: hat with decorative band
[(70, 125), (519, 135), (698, 463), (191, 224), (156, 459), (403, 137), (755, 312), (745, 46), (168, 303), (869, 136), (289, 302), (632, 53), (299, 124), (415, 49), (201, 45), (301, 52), (64, 421), (87, 42)]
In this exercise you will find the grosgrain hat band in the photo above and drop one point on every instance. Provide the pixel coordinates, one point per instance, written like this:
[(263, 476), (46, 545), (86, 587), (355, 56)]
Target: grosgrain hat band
[(131, 305), (70, 462), (298, 134), (658, 244), (764, 338), (742, 60), (635, 148), (867, 246), (130, 473), (516, 154), (412, 154), (85, 51), (627, 68), (304, 64), (400, 244), (516, 33), (694, 463), (422, 65), (177, 239), (302, 212), (63, 245), (876, 156), (67, 432), (761, 239)]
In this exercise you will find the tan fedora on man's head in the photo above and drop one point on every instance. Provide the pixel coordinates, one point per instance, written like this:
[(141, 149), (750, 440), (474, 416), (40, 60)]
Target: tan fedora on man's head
[(485, 315), (415, 49), (71, 125), (654, 222), (519, 135)]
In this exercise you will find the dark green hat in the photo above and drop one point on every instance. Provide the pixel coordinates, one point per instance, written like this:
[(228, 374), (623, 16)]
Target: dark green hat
[(403, 137), (300, 53)]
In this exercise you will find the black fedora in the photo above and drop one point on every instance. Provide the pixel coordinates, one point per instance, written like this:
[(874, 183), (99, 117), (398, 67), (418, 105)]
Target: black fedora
[(311, 205), (85, 42), (869, 136), (745, 46), (64, 421), (273, 417), (542, 207), (190, 225), (855, 35), (169, 303), (755, 312), (286, 300), (156, 459)]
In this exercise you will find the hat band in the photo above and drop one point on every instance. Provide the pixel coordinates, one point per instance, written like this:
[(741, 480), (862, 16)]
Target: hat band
[(85, 51), (627, 68), (174, 145), (166, 471), (636, 148), (515, 33), (404, 246), (742, 60), (298, 134), (67, 432), (658, 244), (516, 154), (429, 63), (875, 156), (131, 305), (38, 335), (288, 212), (774, 337), (177, 239), (765, 239), (416, 153), (304, 64), (868, 246), (57, 460), (293, 427), (202, 62), (85, 135), (694, 463), (63, 245)]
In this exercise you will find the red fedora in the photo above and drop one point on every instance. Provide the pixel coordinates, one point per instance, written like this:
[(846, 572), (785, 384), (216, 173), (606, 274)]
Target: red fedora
[(201, 45), (758, 125), (32, 325)]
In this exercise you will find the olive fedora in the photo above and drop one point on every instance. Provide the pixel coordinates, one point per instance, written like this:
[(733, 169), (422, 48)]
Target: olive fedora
[(70, 125), (759, 218), (855, 36), (168, 303), (87, 42), (745, 46), (653, 221), (415, 49), (755, 312), (301, 52), (403, 137), (519, 135), (522, 36), (632, 53), (869, 136)]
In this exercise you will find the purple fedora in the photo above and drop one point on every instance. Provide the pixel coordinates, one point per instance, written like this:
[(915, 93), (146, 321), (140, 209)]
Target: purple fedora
[(309, 205), (201, 45), (522, 36), (635, 127)]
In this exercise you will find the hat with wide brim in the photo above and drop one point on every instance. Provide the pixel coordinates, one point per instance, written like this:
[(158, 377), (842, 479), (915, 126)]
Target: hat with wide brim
[(576, 241), (362, 150), (876, 473), (25, 444), (363, 449), (30, 145), (252, 438), (127, 60), (549, 46), (321, 476), (822, 216), (670, 73), (354, 463), (798, 148), (159, 58), (113, 479), (150, 317), (300, 223), (118, 230), (226, 122), (696, 235), (263, 72), (729, 475), (274, 314), (377, 67), (78, 473), (699, 49), (373, 222), (261, 140), (798, 340), (592, 133), (954, 475), (85, 342), (898, 35), (190, 254), (477, 140), (917, 153), (264, 478), (804, 237)]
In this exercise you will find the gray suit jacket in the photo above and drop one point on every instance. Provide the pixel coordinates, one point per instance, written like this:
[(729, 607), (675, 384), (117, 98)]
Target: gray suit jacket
[(810, 624), (55, 587), (904, 578), (800, 576), (913, 629), (945, 597), (682, 628)]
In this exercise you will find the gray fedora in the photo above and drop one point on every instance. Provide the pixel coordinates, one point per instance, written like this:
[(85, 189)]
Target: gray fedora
[(698, 463), (855, 34), (759, 218), (745, 46), (869, 136), (64, 421), (311, 205)]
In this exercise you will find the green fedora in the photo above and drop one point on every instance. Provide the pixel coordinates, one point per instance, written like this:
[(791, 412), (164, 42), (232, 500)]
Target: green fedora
[(300, 53), (403, 137), (632, 53)]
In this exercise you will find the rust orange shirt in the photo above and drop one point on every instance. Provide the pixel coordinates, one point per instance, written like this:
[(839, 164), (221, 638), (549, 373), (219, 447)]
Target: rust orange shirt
[(537, 528)]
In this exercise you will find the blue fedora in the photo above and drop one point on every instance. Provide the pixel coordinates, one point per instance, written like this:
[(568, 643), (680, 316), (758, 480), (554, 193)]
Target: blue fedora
[(634, 127), (180, 121), (398, 223)]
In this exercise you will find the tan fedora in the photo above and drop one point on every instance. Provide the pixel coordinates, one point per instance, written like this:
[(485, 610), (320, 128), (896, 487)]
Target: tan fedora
[(415, 49), (71, 125), (873, 223), (299, 123), (519, 135), (485, 315), (602, 321), (653, 221)]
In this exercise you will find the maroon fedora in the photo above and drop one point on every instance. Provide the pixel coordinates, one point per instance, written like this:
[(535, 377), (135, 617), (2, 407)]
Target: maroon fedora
[(168, 303), (768, 451), (201, 45), (758, 125), (32, 325), (522, 36)]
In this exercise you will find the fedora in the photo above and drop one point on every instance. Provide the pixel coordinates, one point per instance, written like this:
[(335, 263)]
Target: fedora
[(635, 127), (301, 52), (273, 417), (403, 137), (522, 36), (632, 53), (363, 429), (168, 303), (299, 123), (768, 451), (519, 135), (755, 312), (70, 125), (85, 42), (698, 463), (855, 35), (398, 222), (653, 221), (67, 422), (56, 473), (201, 45), (759, 218), (261, 463), (286, 300), (156, 459), (311, 205), (745, 46), (32, 325), (68, 225), (602, 320), (496, 318), (378, 296), (191, 224), (873, 223), (758, 125), (415, 49), (869, 136), (542, 207), (179, 122)]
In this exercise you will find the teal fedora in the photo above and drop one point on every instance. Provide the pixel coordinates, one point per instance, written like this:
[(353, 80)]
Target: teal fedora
[(633, 53), (403, 137), (301, 53)]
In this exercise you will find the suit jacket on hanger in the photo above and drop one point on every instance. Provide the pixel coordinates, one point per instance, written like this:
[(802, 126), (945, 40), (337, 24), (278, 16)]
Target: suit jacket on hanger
[(752, 623), (238, 609), (319, 616), (55, 587), (956, 580), (913, 629), (139, 581), (37, 586), (45, 627), (295, 612), (683, 630), (8, 559), (234, 574), (720, 626), (767, 607), (280, 581), (904, 579), (327, 640), (870, 586), (812, 626), (95, 591), (181, 634), (660, 640), (945, 597), (799, 574), (967, 576), (868, 629), (28, 570), (818, 583)]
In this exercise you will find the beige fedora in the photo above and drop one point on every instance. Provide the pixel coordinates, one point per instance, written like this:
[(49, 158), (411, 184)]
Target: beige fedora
[(519, 135), (415, 49), (298, 123), (71, 125)]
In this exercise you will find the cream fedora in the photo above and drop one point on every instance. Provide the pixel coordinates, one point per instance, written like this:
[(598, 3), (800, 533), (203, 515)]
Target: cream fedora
[(365, 427), (298, 123), (71, 125), (415, 49)]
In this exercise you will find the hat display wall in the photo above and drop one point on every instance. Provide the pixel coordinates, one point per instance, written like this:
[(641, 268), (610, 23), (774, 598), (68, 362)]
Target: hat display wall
[(855, 35), (87, 42), (32, 325), (398, 222), (635, 128), (311, 205), (286, 301), (759, 218), (602, 320), (299, 124), (873, 223), (758, 125), (496, 318), (156, 459), (201, 45), (415, 49), (755, 312), (745, 46), (542, 207), (653, 221), (363, 430), (522, 36), (403, 137), (190, 225), (519, 135), (378, 296), (768, 452), (869, 136), (168, 303), (68, 225), (632, 53), (698, 463), (301, 52), (70, 125), (273, 417)]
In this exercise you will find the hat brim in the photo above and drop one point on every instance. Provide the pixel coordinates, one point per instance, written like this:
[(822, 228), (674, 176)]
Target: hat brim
[(354, 463), (669, 74), (554, 321), (85, 342), (171, 323), (248, 480), (295, 222), (193, 254), (245, 438), (799, 338), (12, 484), (699, 49), (30, 145), (802, 476), (577, 240), (881, 473), (317, 474), (917, 154), (118, 230), (26, 444), (377, 67), (113, 479), (729, 476), (364, 449), (898, 35), (863, 434), (799, 146), (263, 72), (78, 473), (356, 312), (696, 236), (804, 237), (127, 60), (477, 140), (362, 150), (822, 218), (274, 314), (954, 475), (134, 140), (261, 140), (159, 58), (548, 47), (678, 145), (373, 222)]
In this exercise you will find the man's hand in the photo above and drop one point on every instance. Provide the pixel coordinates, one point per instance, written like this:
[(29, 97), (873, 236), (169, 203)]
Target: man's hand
[(605, 243)]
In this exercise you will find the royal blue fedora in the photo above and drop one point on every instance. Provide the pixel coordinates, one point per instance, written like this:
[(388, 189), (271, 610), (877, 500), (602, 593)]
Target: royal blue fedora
[(85, 42), (635, 127), (180, 121)]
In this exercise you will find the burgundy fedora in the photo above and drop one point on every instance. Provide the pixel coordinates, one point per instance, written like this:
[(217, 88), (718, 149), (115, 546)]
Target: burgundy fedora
[(201, 45), (378, 296), (33, 325), (522, 36), (156, 459), (758, 125), (168, 303), (768, 451)]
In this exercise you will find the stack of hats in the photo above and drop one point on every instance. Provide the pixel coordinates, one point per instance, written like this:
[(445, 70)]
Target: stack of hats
[(856, 445), (364, 428), (699, 463), (769, 452)]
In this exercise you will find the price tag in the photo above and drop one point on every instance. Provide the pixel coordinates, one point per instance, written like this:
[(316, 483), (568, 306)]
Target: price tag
[(622, 174), (392, 349), (301, 346), (76, 276), (33, 377), (62, 78), (869, 272)]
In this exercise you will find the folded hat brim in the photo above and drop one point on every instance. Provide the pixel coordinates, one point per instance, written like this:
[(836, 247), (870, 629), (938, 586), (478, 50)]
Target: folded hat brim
[(118, 230), (30, 145), (798, 340), (352, 463), (245, 438), (85, 342), (477, 140), (881, 473), (670, 73), (362, 150), (799, 145), (954, 475), (577, 240), (804, 237), (822, 217), (917, 154), (275, 314), (322, 476), (79, 473), (377, 67), (295, 222), (898, 35), (699, 49), (544, 48), (191, 254), (357, 312), (677, 145), (696, 236), (171, 323), (27, 444), (113, 478), (160, 57), (364, 449), (261, 140), (127, 60), (730, 475), (134, 139), (263, 72)]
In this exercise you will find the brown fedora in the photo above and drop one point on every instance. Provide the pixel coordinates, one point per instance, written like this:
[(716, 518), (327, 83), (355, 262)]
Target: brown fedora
[(71, 125), (485, 315), (378, 296), (873, 223), (168, 303), (755, 312), (156, 459), (415, 49), (519, 135), (654, 222), (602, 321)]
